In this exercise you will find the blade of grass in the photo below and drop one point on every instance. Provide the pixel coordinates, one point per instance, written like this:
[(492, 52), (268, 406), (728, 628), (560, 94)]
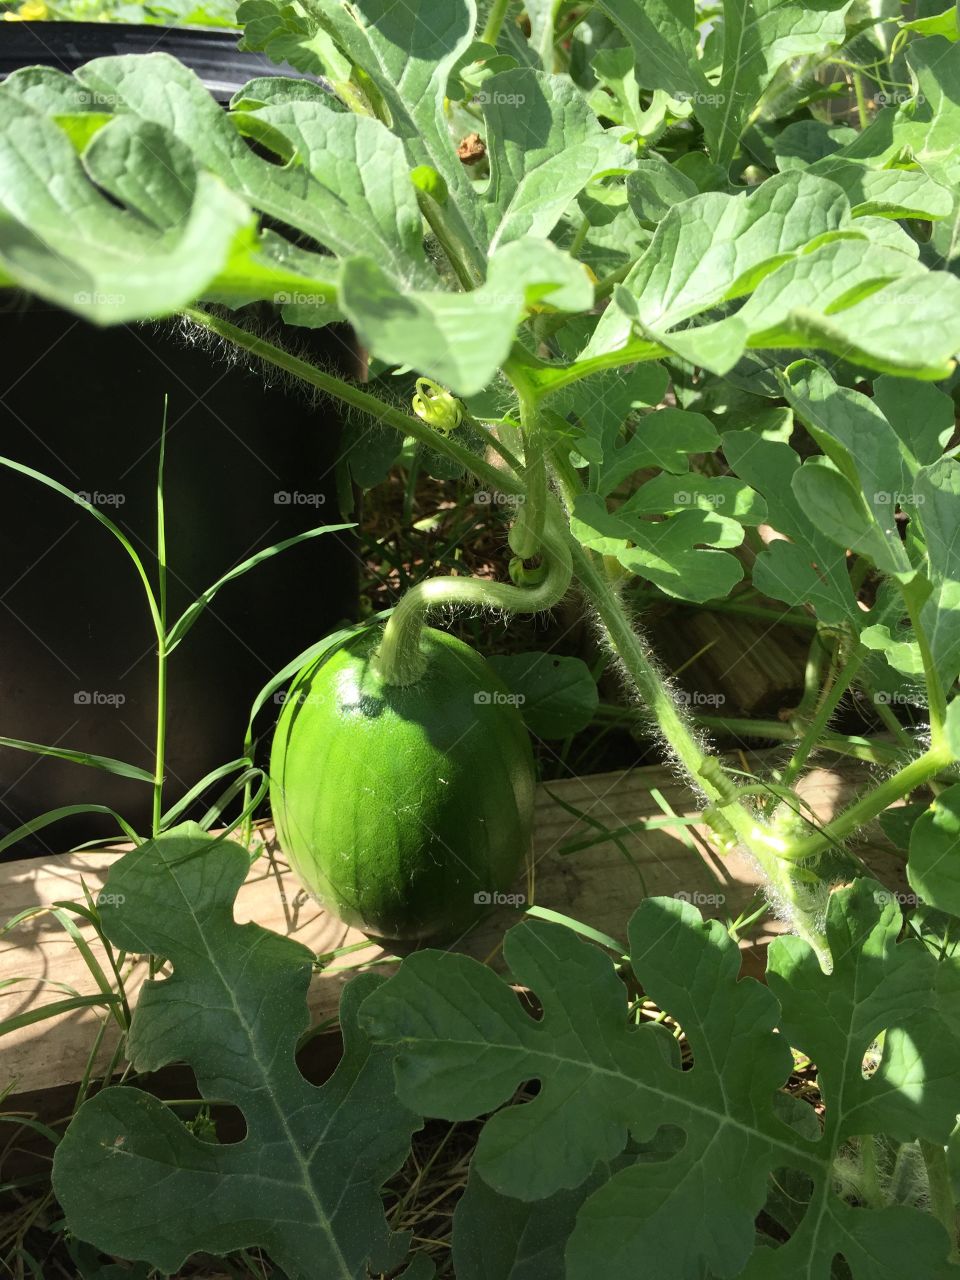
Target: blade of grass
[(163, 649), (53, 1010), (585, 930), (193, 611), (674, 819), (59, 910), (176, 811), (230, 793), (118, 767), (65, 811), (30, 1122), (604, 834), (108, 524)]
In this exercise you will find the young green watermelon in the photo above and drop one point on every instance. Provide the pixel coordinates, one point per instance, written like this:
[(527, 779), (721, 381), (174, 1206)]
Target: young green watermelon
[(404, 809)]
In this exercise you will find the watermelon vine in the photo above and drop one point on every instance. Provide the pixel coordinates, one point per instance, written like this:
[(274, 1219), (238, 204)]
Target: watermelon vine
[(639, 282)]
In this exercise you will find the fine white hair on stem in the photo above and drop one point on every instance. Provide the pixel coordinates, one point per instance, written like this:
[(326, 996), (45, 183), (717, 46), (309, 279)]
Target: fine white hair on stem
[(288, 341), (634, 699)]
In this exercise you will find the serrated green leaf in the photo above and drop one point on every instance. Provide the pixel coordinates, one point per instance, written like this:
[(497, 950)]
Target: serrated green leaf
[(883, 231), (716, 247), (304, 1183), (876, 1244), (655, 187), (614, 238), (898, 822), (937, 508), (937, 24), (268, 91), (63, 239), (52, 93), (603, 404), (678, 553), (865, 302), (863, 926), (903, 655), (853, 433), (934, 865), (908, 325), (368, 204), (619, 99), (461, 339), (770, 424), (119, 159), (722, 495), (544, 146), (369, 451), (349, 188), (876, 986), (599, 1076), (664, 439), (694, 1212), (804, 142), (815, 277), (810, 567), (888, 193), (663, 38), (925, 126), (152, 159), (408, 53), (498, 1238), (921, 414), (303, 284), (557, 695), (755, 40), (842, 513)]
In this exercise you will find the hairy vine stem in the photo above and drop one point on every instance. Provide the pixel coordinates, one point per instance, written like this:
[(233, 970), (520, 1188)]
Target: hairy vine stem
[(350, 393), (767, 849), (870, 806), (733, 821)]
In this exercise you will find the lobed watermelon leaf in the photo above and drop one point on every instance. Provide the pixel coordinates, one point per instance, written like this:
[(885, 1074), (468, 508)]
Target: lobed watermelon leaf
[(304, 1183), (464, 1044)]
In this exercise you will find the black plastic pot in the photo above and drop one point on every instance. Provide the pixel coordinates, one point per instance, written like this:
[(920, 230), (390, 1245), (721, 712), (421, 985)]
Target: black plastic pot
[(246, 466), (212, 54)]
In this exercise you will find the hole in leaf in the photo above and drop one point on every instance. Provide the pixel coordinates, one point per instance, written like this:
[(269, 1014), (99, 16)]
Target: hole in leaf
[(227, 1123), (318, 1054), (222, 1124), (872, 1058), (531, 1005)]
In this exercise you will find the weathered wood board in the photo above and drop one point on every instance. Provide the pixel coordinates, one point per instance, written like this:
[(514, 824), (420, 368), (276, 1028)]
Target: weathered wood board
[(597, 885)]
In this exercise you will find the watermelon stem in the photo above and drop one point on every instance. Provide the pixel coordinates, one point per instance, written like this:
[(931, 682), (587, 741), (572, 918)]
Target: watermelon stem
[(399, 659)]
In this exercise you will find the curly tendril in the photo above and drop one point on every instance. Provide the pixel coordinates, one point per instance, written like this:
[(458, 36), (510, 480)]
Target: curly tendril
[(436, 406)]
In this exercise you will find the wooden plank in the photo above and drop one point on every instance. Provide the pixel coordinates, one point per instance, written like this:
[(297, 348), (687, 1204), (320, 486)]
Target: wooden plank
[(732, 665), (597, 885)]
